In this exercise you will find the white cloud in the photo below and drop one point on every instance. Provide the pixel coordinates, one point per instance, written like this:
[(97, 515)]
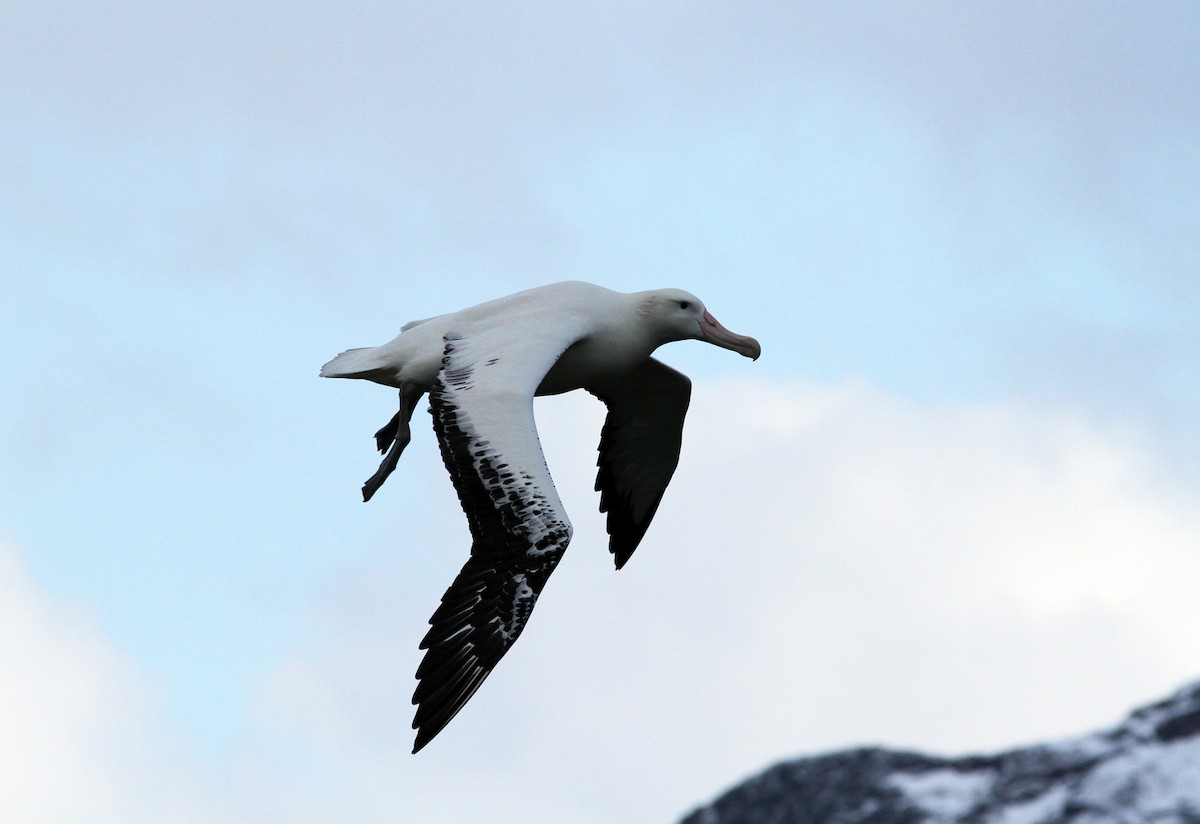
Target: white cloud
[(832, 566), (77, 741)]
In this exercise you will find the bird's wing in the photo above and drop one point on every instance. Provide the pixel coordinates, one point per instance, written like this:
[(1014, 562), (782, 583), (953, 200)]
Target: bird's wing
[(482, 406), (639, 449)]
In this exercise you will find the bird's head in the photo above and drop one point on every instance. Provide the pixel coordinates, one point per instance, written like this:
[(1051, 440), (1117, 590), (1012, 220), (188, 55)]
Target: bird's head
[(680, 315)]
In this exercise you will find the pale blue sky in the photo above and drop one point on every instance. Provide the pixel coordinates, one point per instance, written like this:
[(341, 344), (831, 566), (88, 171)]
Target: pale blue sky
[(961, 208)]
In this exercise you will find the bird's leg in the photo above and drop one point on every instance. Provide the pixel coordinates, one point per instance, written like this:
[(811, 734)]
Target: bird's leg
[(385, 436), (396, 430)]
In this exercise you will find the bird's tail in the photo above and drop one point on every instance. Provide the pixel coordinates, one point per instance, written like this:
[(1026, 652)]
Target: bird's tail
[(353, 363)]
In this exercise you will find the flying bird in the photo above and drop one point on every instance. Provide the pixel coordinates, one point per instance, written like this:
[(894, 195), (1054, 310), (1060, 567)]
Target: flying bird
[(482, 367)]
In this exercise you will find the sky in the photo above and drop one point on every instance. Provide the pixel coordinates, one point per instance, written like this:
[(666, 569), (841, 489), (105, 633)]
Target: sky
[(953, 507)]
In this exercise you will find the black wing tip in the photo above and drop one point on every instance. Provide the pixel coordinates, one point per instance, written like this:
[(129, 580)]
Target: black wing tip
[(623, 551), (428, 728), (425, 734), (439, 701), (625, 532)]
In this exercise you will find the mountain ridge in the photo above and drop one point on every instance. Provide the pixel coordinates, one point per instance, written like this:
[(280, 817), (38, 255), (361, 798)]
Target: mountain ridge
[(1145, 770)]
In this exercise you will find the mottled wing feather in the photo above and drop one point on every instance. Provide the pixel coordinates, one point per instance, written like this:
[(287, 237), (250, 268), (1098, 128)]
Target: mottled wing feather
[(639, 449), (482, 406)]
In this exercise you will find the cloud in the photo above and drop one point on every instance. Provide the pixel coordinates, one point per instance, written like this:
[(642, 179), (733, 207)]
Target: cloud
[(80, 737), (833, 565)]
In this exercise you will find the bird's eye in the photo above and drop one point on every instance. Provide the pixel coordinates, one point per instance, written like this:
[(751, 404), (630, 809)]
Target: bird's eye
[(683, 304)]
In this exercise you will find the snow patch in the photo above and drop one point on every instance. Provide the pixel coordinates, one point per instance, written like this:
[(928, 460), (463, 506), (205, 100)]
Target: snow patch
[(1044, 809), (947, 793), (1153, 780)]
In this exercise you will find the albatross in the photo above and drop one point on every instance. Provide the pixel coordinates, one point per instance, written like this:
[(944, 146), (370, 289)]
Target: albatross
[(482, 367)]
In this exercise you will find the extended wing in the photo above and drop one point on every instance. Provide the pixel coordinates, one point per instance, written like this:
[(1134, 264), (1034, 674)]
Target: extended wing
[(482, 405), (639, 449)]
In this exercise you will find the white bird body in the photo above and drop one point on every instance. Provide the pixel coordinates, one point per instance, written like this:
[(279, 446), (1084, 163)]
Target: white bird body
[(607, 343), (482, 367)]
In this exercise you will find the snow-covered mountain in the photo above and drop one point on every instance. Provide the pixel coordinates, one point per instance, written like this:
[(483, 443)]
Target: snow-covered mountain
[(1145, 771)]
